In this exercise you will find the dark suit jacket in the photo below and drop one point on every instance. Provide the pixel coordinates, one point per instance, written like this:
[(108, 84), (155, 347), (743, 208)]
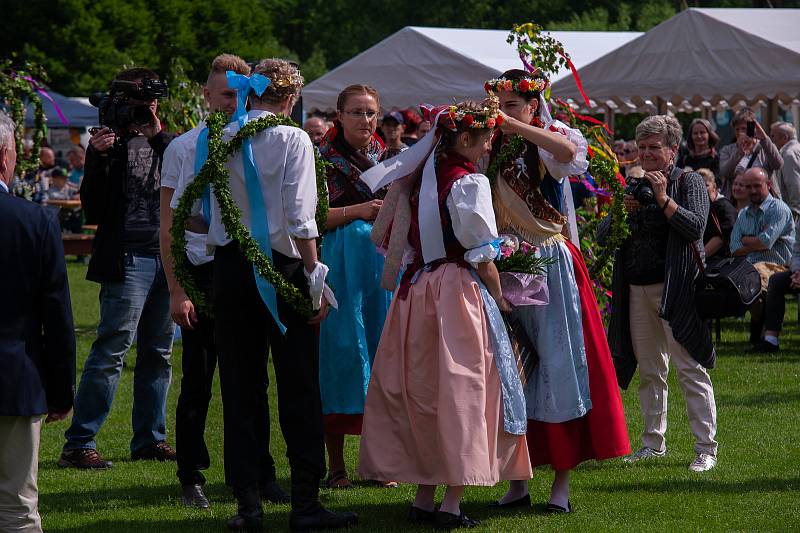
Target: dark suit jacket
[(37, 337)]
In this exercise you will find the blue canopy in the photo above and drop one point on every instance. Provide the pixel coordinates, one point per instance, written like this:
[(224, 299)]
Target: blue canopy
[(77, 113)]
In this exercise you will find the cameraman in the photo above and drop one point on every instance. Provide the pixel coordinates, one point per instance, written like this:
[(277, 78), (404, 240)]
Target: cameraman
[(654, 318), (120, 193)]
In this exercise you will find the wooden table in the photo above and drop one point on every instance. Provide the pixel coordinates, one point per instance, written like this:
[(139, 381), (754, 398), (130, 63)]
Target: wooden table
[(65, 204)]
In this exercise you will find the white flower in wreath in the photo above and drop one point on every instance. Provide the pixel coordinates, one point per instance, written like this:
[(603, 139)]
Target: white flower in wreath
[(520, 167)]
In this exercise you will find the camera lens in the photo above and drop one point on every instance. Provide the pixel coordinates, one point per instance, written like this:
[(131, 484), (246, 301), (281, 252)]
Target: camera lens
[(140, 115)]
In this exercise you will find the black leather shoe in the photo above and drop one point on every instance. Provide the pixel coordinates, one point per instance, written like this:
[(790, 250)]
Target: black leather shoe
[(525, 501), (273, 493), (421, 516), (249, 517), (763, 346), (557, 509), (453, 521), (321, 519), (193, 497)]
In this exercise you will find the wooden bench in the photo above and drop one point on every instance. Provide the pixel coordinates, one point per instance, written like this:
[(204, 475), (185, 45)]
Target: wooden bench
[(77, 244)]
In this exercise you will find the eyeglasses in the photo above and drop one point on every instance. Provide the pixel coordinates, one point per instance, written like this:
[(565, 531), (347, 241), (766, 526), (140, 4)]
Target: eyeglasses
[(369, 115)]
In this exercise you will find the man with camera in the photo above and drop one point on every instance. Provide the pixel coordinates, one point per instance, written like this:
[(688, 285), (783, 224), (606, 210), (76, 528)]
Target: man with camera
[(752, 149), (120, 193), (654, 319)]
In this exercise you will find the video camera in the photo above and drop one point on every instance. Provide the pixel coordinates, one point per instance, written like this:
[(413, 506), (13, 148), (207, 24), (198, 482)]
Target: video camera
[(116, 109)]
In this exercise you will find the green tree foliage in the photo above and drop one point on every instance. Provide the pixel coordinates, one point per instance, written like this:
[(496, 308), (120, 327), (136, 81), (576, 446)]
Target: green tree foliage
[(83, 43)]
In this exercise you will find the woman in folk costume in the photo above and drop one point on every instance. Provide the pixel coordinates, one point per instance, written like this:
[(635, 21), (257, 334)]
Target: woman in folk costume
[(445, 405), (350, 336), (572, 399)]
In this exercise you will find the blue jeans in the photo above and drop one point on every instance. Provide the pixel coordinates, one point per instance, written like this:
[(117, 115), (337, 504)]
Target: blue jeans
[(138, 306)]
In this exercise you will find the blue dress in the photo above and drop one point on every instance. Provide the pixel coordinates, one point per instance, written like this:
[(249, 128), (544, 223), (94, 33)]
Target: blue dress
[(349, 336)]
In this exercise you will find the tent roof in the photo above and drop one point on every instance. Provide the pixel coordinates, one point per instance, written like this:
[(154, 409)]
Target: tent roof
[(700, 55), (436, 65), (77, 113)]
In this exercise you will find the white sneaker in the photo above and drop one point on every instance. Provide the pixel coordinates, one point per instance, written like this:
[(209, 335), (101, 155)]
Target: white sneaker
[(644, 453), (703, 462)]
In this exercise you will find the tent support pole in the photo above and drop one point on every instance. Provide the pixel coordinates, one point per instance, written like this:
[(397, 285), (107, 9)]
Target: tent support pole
[(609, 116), (772, 112)]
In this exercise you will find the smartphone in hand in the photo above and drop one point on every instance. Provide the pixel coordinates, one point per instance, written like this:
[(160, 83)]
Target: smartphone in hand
[(751, 129)]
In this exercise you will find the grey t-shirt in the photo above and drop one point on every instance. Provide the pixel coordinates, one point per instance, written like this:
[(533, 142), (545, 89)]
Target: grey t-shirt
[(141, 186)]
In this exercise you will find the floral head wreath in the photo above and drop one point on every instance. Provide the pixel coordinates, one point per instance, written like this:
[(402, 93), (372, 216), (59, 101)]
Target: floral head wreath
[(293, 80), (525, 85), (487, 117)]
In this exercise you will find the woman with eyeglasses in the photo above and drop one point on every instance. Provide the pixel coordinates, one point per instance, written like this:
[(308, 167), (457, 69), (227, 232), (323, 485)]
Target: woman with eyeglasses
[(350, 335)]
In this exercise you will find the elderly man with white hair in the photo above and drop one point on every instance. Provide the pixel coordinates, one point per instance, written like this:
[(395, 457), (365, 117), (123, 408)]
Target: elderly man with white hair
[(37, 341), (784, 136)]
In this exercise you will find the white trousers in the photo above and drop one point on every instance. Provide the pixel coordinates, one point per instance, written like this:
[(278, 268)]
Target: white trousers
[(19, 467), (654, 346)]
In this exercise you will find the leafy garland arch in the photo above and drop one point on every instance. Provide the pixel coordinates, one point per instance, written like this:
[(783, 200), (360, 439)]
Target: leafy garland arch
[(539, 50), (215, 174), (17, 87)]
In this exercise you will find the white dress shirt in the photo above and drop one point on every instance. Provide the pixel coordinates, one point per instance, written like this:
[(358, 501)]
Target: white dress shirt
[(470, 207), (284, 157), (177, 172)]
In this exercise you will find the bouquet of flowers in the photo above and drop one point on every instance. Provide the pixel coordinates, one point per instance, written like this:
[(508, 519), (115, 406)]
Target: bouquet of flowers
[(523, 282), (522, 272)]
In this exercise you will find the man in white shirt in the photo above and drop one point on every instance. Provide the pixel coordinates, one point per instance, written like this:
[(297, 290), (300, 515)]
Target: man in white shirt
[(199, 350), (247, 331)]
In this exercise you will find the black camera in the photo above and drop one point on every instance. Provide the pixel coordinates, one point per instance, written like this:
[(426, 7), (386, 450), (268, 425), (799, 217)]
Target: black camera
[(116, 109), (641, 190)]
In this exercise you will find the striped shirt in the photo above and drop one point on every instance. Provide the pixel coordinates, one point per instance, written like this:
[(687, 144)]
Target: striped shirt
[(772, 223)]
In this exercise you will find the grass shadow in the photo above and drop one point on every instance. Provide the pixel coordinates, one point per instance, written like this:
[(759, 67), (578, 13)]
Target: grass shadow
[(771, 484)]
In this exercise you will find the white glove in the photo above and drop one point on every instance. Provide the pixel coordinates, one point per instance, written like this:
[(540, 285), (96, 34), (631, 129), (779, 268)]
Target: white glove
[(317, 287)]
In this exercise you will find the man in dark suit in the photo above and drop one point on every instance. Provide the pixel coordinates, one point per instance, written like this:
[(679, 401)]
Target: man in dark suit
[(37, 341)]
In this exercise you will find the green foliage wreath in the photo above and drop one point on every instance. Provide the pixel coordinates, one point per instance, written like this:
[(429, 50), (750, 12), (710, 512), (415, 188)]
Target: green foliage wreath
[(215, 174), (16, 89)]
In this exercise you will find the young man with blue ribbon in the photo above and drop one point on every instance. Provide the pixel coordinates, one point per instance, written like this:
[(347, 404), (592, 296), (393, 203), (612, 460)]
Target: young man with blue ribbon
[(183, 160), (273, 182)]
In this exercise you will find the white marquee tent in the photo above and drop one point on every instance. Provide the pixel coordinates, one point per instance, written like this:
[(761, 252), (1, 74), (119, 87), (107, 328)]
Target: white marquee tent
[(697, 59), (434, 65)]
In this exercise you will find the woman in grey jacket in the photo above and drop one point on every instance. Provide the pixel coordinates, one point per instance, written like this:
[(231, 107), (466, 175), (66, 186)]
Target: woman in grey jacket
[(654, 318)]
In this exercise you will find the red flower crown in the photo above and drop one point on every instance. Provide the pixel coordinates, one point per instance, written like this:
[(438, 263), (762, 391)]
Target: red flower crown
[(524, 85)]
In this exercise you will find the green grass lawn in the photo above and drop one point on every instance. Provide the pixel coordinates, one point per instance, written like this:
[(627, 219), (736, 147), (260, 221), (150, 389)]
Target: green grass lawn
[(756, 485)]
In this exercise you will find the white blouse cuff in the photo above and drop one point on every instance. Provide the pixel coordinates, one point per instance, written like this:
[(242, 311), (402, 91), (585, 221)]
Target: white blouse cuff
[(578, 165), (306, 230), (481, 254)]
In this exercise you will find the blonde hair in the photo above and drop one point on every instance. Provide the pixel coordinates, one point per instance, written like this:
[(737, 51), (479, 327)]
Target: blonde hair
[(706, 173), (354, 90), (285, 80), (225, 62)]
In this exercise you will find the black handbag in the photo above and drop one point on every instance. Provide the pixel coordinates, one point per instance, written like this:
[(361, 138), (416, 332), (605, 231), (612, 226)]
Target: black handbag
[(725, 287)]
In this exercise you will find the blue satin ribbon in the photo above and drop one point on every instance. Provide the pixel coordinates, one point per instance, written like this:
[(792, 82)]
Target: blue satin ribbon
[(258, 208), (200, 156)]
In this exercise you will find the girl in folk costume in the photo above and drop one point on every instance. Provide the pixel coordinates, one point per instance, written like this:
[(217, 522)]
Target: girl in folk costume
[(445, 405), (350, 336), (572, 400)]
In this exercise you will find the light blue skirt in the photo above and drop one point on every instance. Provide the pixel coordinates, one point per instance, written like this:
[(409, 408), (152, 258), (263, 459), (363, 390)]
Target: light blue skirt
[(349, 335), (558, 390)]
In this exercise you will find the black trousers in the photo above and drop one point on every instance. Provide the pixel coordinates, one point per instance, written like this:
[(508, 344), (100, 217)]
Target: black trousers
[(199, 363), (780, 285), (246, 334)]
